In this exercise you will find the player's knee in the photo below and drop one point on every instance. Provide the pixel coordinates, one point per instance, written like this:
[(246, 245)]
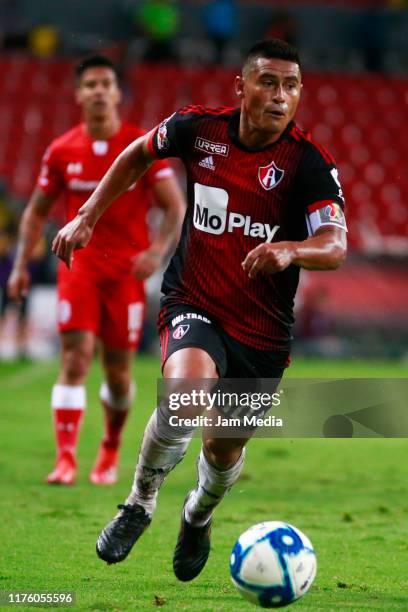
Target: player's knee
[(116, 364), (190, 363), (117, 375), (221, 453), (75, 365), (76, 356), (118, 381)]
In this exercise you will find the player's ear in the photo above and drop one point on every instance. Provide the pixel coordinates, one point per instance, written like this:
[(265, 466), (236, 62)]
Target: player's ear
[(239, 86)]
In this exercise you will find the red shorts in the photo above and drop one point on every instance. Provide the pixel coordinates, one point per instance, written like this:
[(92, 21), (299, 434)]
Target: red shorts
[(111, 308)]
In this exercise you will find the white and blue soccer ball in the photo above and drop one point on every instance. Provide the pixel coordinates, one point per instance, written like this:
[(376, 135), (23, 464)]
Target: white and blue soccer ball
[(273, 564)]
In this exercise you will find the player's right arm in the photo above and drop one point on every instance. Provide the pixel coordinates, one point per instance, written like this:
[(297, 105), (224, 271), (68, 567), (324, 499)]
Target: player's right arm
[(30, 231), (128, 167)]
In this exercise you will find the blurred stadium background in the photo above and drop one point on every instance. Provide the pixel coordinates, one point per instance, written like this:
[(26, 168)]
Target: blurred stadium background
[(355, 99)]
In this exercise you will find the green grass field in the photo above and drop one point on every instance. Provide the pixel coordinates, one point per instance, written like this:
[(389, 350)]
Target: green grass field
[(349, 496)]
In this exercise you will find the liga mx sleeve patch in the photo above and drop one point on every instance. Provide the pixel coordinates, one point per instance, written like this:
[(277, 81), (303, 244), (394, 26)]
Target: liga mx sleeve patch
[(325, 213), (162, 140)]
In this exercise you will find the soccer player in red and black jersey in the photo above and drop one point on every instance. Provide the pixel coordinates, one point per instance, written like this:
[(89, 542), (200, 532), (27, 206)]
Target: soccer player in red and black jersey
[(103, 294), (264, 200)]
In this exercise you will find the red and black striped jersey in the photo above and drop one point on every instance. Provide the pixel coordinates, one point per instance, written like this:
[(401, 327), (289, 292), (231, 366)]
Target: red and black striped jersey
[(237, 198)]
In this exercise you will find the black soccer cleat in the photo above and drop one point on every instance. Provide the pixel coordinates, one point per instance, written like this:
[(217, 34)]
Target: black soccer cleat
[(192, 550), (117, 539)]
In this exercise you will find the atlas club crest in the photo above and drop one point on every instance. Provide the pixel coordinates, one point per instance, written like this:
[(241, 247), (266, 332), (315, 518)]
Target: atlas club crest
[(180, 331), (270, 175)]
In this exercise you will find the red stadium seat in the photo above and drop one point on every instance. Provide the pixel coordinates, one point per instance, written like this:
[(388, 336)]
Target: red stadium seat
[(359, 118)]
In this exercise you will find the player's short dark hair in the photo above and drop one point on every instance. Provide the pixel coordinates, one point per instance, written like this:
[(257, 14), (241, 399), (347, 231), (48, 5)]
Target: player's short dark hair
[(274, 48), (94, 61)]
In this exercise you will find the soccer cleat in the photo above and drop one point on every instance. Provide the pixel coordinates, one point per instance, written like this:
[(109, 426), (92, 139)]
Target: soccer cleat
[(117, 539), (105, 472), (65, 470), (192, 549)]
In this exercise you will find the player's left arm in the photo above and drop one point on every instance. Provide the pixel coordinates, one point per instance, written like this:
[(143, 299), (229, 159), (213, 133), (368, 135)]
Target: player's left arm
[(170, 198), (320, 194), (325, 250)]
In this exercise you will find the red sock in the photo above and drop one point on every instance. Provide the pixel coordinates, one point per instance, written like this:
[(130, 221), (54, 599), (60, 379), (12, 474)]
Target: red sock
[(114, 423), (68, 403), (116, 412), (67, 423)]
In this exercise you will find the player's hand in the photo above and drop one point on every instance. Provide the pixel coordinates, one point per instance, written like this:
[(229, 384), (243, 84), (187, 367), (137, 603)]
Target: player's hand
[(269, 258), (74, 235), (18, 283), (146, 263)]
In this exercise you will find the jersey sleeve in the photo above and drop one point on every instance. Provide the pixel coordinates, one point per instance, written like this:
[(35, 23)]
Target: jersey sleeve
[(50, 179), (171, 137), (159, 170), (319, 190)]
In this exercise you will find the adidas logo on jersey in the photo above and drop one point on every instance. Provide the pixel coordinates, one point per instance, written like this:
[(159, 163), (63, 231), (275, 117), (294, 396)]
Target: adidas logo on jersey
[(208, 163)]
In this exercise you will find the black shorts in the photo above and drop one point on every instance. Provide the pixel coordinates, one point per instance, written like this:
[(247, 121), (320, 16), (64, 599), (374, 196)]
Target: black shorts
[(182, 326)]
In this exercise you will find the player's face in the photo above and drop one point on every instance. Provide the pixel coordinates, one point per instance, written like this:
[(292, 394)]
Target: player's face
[(270, 93), (98, 92)]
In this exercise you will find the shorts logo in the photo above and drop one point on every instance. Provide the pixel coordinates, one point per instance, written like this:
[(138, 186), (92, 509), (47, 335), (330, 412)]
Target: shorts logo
[(270, 175), (217, 148), (64, 311), (180, 331)]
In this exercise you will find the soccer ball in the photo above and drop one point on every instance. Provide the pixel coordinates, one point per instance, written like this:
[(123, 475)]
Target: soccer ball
[(273, 564)]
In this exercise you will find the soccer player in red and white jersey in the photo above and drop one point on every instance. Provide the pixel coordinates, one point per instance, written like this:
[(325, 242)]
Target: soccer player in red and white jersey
[(103, 294), (264, 200)]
